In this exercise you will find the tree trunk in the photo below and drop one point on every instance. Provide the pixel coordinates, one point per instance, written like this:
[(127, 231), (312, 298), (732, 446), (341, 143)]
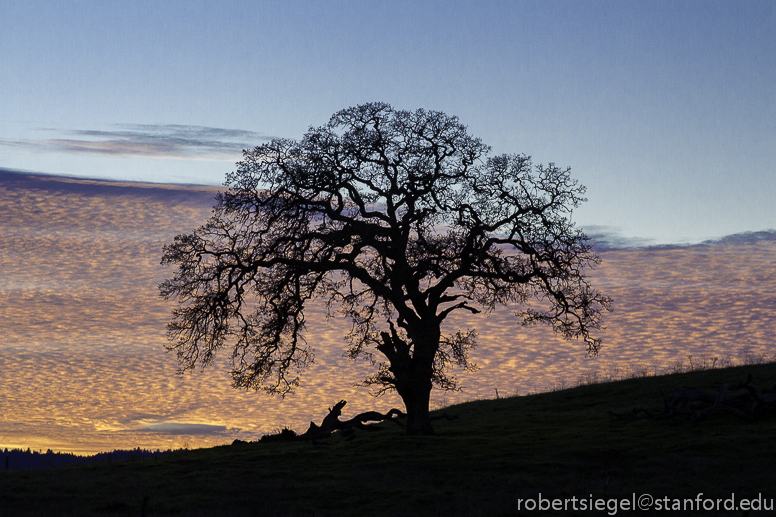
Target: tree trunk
[(413, 372), (417, 398)]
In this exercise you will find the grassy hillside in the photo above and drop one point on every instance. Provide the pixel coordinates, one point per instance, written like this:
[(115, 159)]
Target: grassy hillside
[(561, 444)]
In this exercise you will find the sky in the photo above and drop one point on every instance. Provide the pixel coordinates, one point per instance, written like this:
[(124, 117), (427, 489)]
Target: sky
[(666, 111), (82, 327)]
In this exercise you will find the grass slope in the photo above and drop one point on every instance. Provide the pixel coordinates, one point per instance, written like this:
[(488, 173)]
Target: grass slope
[(560, 444)]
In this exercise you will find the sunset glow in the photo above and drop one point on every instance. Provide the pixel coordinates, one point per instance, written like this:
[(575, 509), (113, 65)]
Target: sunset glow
[(82, 328)]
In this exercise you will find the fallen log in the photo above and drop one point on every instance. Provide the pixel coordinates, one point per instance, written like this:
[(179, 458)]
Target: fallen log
[(332, 423)]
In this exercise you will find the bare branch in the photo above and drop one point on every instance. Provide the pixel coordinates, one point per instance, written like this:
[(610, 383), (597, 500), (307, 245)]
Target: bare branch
[(395, 219)]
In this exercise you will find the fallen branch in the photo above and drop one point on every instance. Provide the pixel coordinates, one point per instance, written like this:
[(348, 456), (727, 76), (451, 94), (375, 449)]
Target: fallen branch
[(331, 422)]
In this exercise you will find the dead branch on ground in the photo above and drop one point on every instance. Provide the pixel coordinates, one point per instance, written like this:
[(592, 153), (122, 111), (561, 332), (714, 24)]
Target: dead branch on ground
[(331, 422)]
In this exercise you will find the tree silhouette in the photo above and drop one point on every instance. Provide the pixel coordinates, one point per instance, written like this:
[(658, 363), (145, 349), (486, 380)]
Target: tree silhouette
[(396, 219)]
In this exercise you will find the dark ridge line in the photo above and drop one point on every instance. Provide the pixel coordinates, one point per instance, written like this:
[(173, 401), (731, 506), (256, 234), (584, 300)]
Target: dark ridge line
[(89, 180), (198, 194)]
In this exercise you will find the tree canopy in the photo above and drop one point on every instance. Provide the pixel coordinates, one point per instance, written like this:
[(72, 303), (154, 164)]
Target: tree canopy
[(396, 219)]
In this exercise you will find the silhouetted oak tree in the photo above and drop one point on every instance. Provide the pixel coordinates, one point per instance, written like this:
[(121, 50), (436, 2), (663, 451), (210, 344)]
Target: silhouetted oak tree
[(396, 219)]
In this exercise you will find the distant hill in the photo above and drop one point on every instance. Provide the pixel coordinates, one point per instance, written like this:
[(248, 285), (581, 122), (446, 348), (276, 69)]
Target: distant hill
[(18, 459)]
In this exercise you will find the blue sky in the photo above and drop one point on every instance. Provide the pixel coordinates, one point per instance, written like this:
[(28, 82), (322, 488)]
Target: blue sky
[(665, 110)]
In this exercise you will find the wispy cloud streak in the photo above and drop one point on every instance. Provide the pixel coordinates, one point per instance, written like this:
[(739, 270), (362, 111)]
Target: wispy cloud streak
[(148, 141), (607, 238)]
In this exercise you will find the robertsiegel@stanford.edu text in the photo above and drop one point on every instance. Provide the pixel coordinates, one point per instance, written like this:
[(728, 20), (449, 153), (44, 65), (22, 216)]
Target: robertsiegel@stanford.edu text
[(612, 505)]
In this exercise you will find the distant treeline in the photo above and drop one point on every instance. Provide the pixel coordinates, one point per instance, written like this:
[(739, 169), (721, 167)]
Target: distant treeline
[(18, 459)]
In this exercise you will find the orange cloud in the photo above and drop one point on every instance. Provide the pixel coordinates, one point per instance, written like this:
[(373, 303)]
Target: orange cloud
[(82, 328)]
